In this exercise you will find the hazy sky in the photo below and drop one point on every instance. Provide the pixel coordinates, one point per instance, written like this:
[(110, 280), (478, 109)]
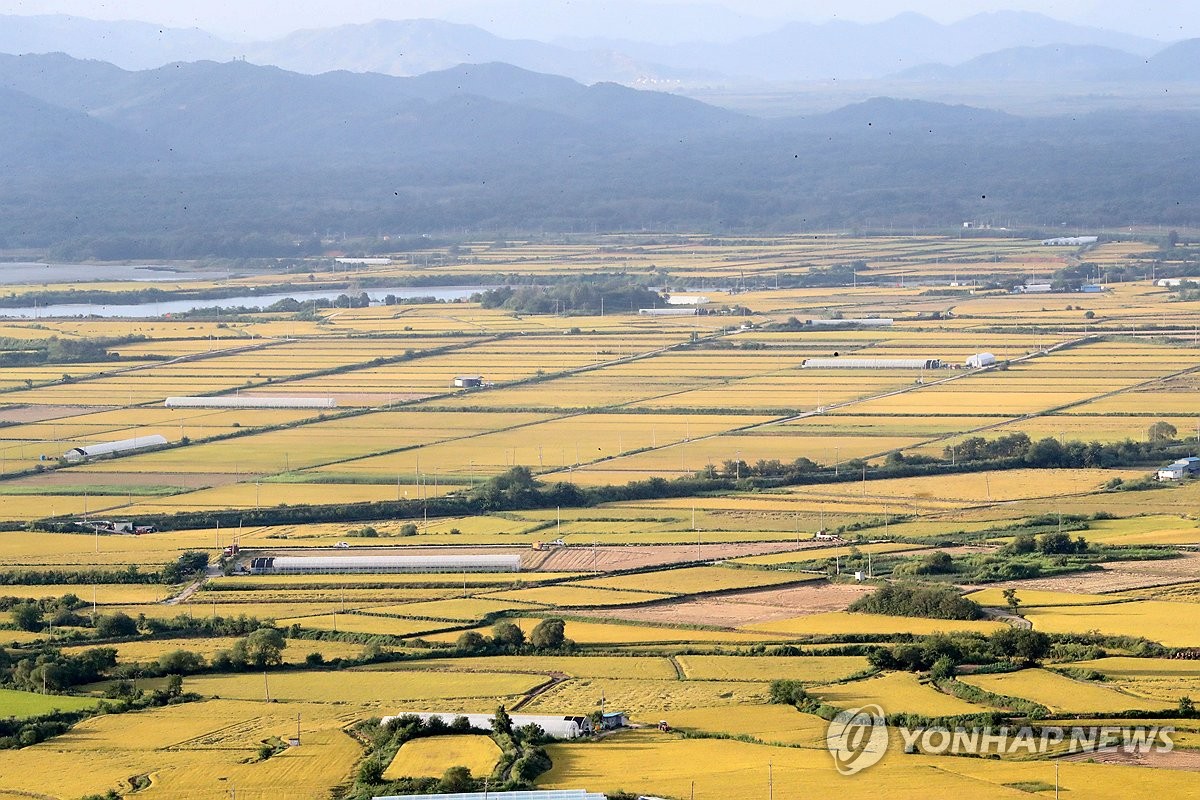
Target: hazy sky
[(248, 19)]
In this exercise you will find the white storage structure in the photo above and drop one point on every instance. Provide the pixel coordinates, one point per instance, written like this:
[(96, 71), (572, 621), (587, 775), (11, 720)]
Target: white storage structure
[(980, 360), (669, 312), (299, 565), (244, 401), (77, 454), (555, 727), (524, 794), (865, 322), (872, 363)]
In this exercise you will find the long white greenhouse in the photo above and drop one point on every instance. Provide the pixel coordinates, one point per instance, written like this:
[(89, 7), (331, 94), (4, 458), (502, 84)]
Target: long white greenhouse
[(281, 565), (243, 401), (872, 363), (87, 452), (555, 727), (525, 794)]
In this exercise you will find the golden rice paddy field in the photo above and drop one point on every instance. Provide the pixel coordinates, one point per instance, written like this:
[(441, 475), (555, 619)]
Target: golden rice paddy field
[(386, 691), (151, 649), (429, 757), (896, 692), (461, 609), (810, 669), (1033, 598), (824, 552), (189, 751), (617, 634), (328, 618), (578, 596), (1157, 679), (1171, 624), (835, 622), (768, 723), (599, 400), (733, 770), (1062, 694), (645, 700), (625, 667), (103, 594)]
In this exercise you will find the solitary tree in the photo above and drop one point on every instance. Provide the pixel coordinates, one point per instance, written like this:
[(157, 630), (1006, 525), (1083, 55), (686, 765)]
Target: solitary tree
[(1161, 431), (1010, 597), (456, 780), (506, 634), (549, 634), (264, 647), (28, 616)]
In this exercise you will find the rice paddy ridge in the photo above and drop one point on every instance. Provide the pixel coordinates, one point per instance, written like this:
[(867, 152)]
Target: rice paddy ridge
[(155, 364), (850, 403), (531, 379), (370, 364), (1045, 411), (336, 415), (939, 381)]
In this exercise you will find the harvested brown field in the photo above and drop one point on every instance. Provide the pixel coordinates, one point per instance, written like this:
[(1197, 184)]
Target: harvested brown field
[(582, 558), (1188, 760), (744, 608), (1117, 577), (23, 414)]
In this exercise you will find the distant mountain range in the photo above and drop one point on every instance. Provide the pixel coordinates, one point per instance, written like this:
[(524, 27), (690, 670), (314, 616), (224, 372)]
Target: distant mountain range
[(233, 159), (793, 52), (1058, 63)]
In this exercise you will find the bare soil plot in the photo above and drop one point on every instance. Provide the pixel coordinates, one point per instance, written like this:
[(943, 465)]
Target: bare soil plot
[(1118, 577), (1176, 759), (23, 414), (744, 608), (612, 558)]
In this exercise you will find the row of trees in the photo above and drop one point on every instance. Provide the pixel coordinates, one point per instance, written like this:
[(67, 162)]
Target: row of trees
[(547, 636), (935, 601), (579, 296)]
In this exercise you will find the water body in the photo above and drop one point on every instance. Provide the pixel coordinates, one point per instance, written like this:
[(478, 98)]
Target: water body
[(41, 272), (258, 300)]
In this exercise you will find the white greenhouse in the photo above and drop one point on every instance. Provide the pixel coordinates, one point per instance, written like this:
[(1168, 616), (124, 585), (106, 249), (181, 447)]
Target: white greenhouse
[(524, 794), (78, 454), (865, 322), (980, 360), (554, 726), (243, 401), (872, 363), (283, 565)]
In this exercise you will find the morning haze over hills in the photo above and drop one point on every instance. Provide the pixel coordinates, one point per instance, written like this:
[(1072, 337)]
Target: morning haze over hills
[(182, 139)]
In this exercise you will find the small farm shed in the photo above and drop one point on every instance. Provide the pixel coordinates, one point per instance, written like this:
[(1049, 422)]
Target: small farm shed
[(86, 453), (369, 565), (243, 401), (872, 363), (981, 360), (468, 381), (1183, 468), (611, 720), (555, 727)]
